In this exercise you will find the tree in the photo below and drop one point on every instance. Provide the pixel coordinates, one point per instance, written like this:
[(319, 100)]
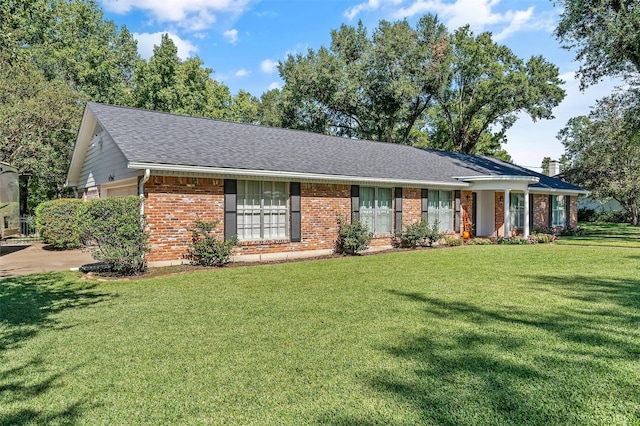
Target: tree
[(605, 35), (604, 152), (70, 40), (490, 87), (168, 83), (38, 124), (373, 88)]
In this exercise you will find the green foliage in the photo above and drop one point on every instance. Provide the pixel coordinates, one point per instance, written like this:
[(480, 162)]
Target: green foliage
[(604, 151), (353, 237), (421, 234), (490, 87), (452, 240), (481, 241), (207, 248), (115, 231), (57, 222), (605, 35), (38, 125), (572, 232), (589, 215), (371, 87)]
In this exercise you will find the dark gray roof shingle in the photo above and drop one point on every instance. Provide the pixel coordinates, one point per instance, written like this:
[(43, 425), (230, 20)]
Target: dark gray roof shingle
[(157, 137)]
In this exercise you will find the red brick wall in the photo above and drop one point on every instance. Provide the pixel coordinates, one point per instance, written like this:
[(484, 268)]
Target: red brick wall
[(172, 205), (499, 225), (540, 211), (411, 205), (574, 211)]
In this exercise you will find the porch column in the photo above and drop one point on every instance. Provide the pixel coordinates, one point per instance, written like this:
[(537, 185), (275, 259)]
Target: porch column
[(526, 213), (507, 216)]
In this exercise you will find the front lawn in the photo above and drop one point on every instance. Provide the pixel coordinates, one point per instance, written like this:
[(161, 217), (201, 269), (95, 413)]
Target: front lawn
[(605, 234), (540, 334)]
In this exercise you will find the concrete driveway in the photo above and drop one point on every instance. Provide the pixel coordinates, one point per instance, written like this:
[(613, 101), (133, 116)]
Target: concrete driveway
[(23, 259)]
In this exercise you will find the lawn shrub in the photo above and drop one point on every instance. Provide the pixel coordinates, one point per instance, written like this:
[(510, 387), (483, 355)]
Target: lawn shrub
[(58, 224), (477, 241), (352, 237), (420, 234), (572, 232), (513, 241), (452, 240), (115, 231), (207, 248), (589, 215), (542, 238)]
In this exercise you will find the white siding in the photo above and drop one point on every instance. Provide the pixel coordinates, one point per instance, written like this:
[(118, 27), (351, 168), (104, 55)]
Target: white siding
[(122, 191), (104, 163)]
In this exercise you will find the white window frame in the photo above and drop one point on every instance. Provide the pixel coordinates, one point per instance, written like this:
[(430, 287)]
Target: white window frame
[(269, 217), (440, 210), (378, 216), (516, 210), (558, 212)]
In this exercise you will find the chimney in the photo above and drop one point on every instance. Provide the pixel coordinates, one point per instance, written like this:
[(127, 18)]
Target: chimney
[(554, 168)]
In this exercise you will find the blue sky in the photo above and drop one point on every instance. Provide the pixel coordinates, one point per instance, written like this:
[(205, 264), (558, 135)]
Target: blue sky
[(243, 40)]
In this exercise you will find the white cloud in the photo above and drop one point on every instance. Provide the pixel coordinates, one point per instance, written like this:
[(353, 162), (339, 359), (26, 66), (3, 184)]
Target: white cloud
[(268, 66), (517, 20), (231, 36), (479, 14), (242, 73), (368, 6), (352, 12), (274, 85), (194, 15), (146, 41)]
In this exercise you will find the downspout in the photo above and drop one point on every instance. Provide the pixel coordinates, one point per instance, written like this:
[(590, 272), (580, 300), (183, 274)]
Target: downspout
[(145, 178)]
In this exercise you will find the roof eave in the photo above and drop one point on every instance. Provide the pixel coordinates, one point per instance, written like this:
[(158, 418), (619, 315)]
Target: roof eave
[(278, 174), (83, 139)]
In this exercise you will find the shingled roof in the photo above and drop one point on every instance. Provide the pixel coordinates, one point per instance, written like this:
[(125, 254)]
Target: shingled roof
[(158, 138)]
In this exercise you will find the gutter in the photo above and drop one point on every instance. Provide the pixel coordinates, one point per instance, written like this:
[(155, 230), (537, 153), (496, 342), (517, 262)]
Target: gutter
[(145, 178), (270, 174)]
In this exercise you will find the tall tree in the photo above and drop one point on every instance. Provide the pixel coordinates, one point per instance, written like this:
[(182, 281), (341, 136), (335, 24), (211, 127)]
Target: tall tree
[(604, 152), (490, 87), (605, 35), (374, 87), (71, 41), (168, 83), (38, 124)]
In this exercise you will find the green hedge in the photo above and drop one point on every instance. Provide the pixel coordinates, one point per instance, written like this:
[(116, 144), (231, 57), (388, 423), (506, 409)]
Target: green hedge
[(352, 237), (115, 230), (57, 222)]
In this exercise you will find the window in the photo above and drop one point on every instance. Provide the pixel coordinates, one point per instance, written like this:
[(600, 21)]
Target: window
[(516, 210), (557, 210), (441, 209), (376, 209), (262, 210)]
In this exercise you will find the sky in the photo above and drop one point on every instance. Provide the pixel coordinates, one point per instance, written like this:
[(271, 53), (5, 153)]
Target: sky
[(243, 41)]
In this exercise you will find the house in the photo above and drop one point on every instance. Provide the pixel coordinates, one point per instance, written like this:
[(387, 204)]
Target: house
[(283, 192)]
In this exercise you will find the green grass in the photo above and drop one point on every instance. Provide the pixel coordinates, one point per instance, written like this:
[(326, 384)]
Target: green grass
[(541, 334), (605, 234)]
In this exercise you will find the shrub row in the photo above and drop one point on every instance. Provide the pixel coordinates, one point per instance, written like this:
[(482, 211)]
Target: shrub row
[(57, 223), (111, 227), (588, 215)]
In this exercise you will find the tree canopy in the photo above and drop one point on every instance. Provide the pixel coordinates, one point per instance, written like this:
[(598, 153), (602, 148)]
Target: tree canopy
[(605, 35), (489, 88), (419, 86), (374, 87), (604, 151)]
